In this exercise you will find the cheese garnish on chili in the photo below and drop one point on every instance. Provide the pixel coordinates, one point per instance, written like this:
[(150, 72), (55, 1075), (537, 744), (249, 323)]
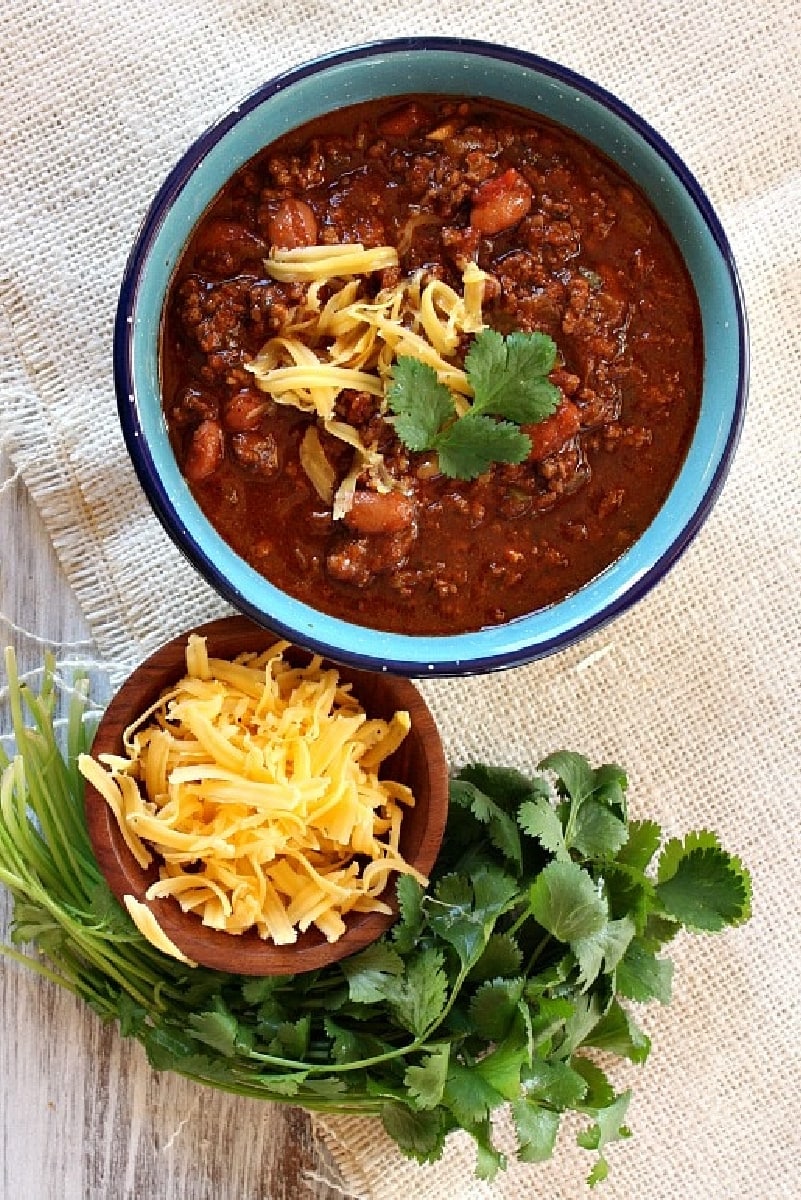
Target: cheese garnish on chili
[(348, 342)]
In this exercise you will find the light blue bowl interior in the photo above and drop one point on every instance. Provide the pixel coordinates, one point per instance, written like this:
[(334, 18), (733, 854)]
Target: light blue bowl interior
[(366, 74)]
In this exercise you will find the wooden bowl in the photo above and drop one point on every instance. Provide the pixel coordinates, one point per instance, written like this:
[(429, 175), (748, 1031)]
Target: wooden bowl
[(419, 762)]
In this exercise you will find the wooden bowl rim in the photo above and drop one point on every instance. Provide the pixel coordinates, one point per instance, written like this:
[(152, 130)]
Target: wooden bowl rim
[(248, 953)]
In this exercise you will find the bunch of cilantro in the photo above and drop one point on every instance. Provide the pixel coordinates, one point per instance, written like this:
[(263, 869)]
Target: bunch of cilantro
[(499, 985)]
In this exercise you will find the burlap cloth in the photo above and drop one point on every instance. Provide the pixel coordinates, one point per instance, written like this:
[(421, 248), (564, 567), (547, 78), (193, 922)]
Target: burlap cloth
[(696, 692)]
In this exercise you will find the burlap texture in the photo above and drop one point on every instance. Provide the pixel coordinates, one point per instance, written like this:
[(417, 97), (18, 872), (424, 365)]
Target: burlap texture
[(696, 691)]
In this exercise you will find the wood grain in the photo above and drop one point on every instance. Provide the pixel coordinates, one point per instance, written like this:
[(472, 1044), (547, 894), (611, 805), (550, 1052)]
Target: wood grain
[(82, 1115), (419, 763)]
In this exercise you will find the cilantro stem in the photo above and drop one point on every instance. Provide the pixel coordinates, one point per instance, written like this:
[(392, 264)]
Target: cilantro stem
[(35, 964)]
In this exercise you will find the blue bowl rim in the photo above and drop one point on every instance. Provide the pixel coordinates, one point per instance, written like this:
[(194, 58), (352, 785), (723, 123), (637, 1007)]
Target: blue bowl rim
[(442, 664)]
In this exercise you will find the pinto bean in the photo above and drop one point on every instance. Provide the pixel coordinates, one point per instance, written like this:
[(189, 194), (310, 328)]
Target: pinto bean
[(550, 435), (206, 451), (226, 238), (500, 202), (403, 121), (292, 224), (380, 512), (245, 410)]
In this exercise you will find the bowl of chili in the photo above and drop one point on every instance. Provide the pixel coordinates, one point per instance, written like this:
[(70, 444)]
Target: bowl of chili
[(431, 356)]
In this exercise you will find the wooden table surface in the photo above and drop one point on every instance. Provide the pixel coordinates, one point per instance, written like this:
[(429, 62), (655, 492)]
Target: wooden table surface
[(82, 1115)]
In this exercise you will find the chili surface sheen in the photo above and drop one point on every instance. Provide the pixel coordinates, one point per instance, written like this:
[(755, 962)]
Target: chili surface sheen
[(571, 247)]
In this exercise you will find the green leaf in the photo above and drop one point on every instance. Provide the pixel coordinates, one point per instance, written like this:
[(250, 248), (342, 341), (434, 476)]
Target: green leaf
[(573, 772), (605, 948), (597, 832), (168, 1048), (701, 885), (494, 1007), (288, 1084), (509, 375), (641, 976), (131, 1016), (419, 1135), (608, 1127), (587, 1012), (501, 828), (536, 1128), (408, 927), (489, 1160), (554, 1083), (600, 1093), (629, 893), (421, 403), (469, 447), (426, 1082), (549, 1017), (539, 819), (216, 1029), (503, 1066), (291, 1039), (505, 785), (468, 1095), (618, 1033), (419, 995), (641, 846), (372, 973), (463, 911), (352, 1045), (452, 916), (565, 901), (501, 958)]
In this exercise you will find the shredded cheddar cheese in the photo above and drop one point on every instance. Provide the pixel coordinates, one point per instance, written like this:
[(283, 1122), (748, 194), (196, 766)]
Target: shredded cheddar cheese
[(254, 784), (348, 342)]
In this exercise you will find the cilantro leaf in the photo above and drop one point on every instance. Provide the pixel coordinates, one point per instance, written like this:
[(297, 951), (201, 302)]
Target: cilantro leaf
[(418, 996), (426, 1082), (501, 958), (509, 375), (597, 832), (421, 403), (372, 973), (539, 819), (618, 1033), (604, 948), (419, 1135), (701, 885), (641, 976), (494, 1007), (351, 1045), (574, 774), (565, 901), (503, 1066), (501, 828), (536, 1129), (468, 1095), (215, 1029), (608, 1128), (469, 447), (407, 929), (554, 1083), (641, 845)]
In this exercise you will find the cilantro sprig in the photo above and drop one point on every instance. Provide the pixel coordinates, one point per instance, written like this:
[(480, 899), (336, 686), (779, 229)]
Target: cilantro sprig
[(508, 377), (548, 912)]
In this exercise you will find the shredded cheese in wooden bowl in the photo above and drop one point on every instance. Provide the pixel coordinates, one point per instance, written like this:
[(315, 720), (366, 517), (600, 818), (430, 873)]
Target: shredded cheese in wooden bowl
[(252, 796)]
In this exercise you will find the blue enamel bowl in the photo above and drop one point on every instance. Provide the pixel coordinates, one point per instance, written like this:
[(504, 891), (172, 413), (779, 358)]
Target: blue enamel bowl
[(455, 66)]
